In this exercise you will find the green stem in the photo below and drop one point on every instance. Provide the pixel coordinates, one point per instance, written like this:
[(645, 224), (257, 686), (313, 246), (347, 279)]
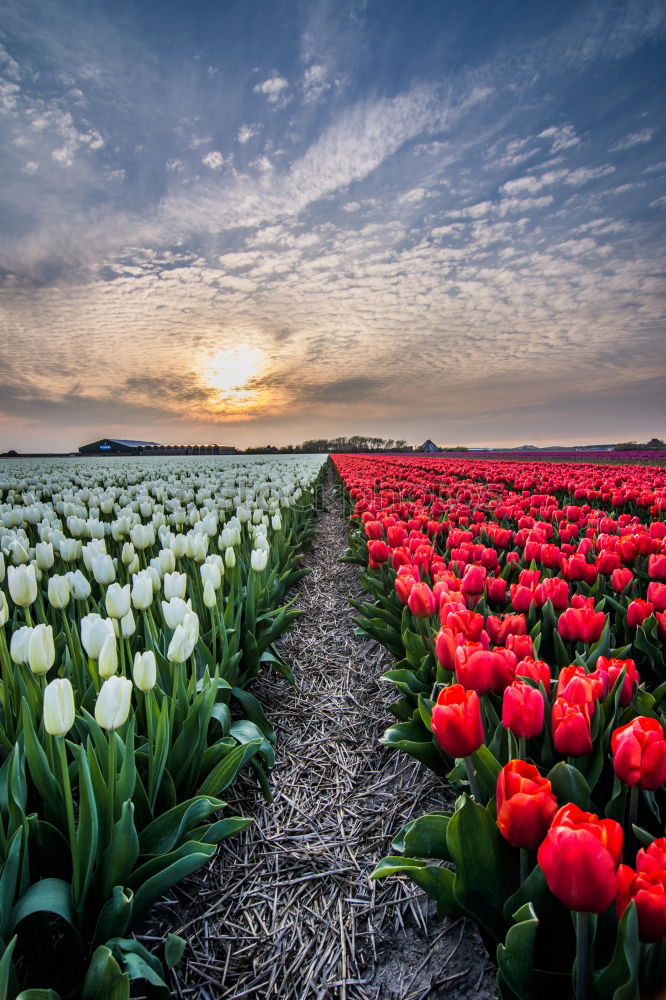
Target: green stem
[(69, 808), (633, 820), (471, 777), (582, 956), (28, 617), (524, 864), (113, 750), (522, 747)]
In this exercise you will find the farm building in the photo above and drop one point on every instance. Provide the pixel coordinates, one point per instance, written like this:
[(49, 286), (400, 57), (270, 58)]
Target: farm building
[(429, 446), (115, 446)]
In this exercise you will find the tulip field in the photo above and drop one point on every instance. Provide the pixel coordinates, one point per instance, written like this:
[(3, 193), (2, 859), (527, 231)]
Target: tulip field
[(138, 601), (524, 606)]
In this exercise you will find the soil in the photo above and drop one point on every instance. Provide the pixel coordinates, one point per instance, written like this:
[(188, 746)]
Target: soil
[(286, 909)]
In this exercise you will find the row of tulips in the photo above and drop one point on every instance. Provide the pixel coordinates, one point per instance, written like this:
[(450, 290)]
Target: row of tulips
[(138, 602), (526, 608)]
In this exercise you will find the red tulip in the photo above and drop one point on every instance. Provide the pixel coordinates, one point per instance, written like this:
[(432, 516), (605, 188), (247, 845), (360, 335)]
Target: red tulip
[(522, 598), (639, 753), (373, 529), (456, 721), (656, 595), (581, 624), (378, 550), (555, 590), (653, 857), (496, 589), (571, 729), (657, 567), (525, 804), (522, 709), (521, 645), (445, 648), (648, 891), (484, 670), (536, 670), (613, 668), (638, 611), (499, 628), (607, 562), (579, 856), (577, 687), (621, 578), (474, 580), (421, 601)]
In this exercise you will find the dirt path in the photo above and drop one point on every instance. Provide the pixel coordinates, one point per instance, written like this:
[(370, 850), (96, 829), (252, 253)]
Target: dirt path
[(286, 909)]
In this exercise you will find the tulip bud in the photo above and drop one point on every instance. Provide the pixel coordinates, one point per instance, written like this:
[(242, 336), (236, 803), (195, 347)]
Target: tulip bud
[(41, 651), (456, 721), (70, 549), (59, 710), (145, 670), (20, 642), (258, 560), (276, 522), (127, 554), (230, 558), (113, 702), (94, 631), (118, 600), (525, 804), (127, 625), (175, 585), (2, 567), (108, 657), (79, 585), (142, 591), (209, 596), (44, 555), (210, 573), (4, 610), (639, 753), (22, 583), (182, 644), (59, 591), (103, 569), (175, 610)]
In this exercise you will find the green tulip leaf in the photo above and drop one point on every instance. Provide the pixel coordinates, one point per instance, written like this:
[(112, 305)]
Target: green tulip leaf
[(174, 948), (7, 970), (138, 962), (435, 880), (116, 864), (515, 958), (224, 773), (425, 837), (619, 980), (569, 785), (485, 869), (50, 895), (194, 855), (487, 768), (105, 979), (169, 829), (115, 915), (37, 994)]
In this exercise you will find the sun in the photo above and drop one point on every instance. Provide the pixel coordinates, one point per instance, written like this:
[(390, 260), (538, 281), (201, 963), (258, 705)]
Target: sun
[(228, 371)]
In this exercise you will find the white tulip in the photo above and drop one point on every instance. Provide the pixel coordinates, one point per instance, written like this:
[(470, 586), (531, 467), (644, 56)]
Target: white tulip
[(175, 585), (118, 600), (59, 591), (175, 610), (94, 632), (108, 657), (22, 582)]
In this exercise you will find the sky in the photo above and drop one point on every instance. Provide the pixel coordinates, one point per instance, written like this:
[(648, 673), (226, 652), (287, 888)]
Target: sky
[(263, 221)]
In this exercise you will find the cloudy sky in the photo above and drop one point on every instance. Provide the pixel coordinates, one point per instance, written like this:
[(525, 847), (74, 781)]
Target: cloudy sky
[(261, 221)]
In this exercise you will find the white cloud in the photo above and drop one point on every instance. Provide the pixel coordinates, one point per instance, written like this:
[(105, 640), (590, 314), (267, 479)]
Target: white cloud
[(213, 160), (247, 132), (659, 202), (561, 136), (315, 83), (272, 88), (635, 139)]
